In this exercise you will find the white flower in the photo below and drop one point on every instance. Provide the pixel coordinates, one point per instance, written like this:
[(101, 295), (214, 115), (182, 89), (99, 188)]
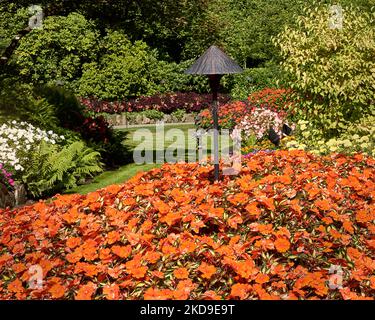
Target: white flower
[(17, 167), (17, 139)]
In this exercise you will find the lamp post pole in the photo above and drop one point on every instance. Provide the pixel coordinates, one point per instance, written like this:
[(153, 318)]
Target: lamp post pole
[(214, 63), (215, 84)]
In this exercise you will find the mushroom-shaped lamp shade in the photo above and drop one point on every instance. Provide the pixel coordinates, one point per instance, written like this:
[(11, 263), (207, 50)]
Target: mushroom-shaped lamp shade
[(212, 62)]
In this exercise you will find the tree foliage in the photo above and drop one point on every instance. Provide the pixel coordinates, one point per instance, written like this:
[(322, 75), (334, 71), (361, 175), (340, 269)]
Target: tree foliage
[(58, 50), (332, 69), (123, 69)]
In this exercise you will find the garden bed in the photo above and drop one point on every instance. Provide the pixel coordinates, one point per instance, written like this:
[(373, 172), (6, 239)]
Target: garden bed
[(275, 231)]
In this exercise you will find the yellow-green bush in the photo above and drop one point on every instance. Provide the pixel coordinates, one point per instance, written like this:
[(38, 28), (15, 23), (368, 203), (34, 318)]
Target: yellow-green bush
[(359, 137)]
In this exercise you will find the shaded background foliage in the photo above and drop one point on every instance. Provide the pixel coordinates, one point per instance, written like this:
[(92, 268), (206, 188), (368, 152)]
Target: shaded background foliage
[(77, 37)]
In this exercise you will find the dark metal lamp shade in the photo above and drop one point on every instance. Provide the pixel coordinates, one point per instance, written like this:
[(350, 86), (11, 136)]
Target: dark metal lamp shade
[(214, 61)]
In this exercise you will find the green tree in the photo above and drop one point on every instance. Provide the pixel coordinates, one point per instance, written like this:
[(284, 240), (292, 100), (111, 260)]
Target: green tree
[(333, 70), (252, 23), (124, 69), (11, 21), (58, 50)]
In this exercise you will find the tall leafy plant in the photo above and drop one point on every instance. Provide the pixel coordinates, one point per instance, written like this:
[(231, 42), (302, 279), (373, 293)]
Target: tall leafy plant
[(332, 69)]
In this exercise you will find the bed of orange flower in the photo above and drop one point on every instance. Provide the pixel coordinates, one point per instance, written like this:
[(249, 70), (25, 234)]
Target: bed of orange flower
[(272, 232)]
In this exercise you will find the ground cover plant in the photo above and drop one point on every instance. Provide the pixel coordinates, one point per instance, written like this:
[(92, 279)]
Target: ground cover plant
[(272, 232)]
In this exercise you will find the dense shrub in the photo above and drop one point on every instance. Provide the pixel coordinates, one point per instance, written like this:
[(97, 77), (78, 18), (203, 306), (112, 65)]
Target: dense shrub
[(19, 101), (153, 114), (58, 51), (273, 232), (359, 137), (67, 109), (256, 79), (170, 77), (166, 103), (112, 149), (331, 69), (179, 114), (123, 70), (95, 131)]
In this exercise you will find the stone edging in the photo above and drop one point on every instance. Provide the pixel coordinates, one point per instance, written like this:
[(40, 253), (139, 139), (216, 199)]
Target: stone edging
[(121, 120)]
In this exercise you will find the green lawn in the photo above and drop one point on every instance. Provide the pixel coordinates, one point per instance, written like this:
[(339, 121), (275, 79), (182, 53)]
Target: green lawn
[(108, 178), (151, 144), (184, 141)]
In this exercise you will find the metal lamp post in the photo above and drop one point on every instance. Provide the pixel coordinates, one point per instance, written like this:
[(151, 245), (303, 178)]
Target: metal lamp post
[(214, 63)]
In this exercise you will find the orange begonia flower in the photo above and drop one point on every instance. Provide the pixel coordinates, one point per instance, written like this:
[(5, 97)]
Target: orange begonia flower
[(122, 251), (282, 245), (57, 291), (262, 278), (111, 291), (239, 198), (144, 189), (348, 226), (253, 210), (240, 290), (89, 250), (364, 216), (171, 218), (246, 269), (105, 255), (19, 267), (179, 195), (86, 291), (268, 202), (113, 236), (207, 270), (73, 242), (162, 207), (181, 273), (234, 221), (323, 204), (157, 294), (152, 256), (16, 286)]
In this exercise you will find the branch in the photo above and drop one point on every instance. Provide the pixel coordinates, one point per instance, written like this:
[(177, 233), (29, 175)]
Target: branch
[(13, 46)]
